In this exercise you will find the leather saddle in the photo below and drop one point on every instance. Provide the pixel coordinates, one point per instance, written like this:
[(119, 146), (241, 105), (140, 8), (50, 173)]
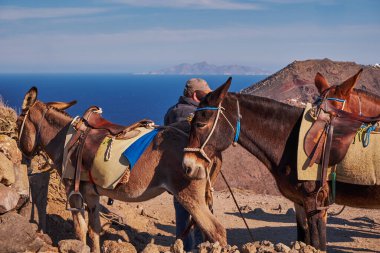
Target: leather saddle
[(344, 132), (330, 136), (91, 130)]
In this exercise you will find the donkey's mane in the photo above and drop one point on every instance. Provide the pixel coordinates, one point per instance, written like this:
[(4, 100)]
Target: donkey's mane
[(271, 103)]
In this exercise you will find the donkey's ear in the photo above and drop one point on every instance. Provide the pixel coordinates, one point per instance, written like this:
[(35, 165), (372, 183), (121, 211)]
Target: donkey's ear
[(62, 105), (347, 86), (321, 83), (218, 95), (29, 99)]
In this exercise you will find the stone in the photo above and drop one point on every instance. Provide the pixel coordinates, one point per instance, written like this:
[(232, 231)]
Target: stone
[(177, 247), (7, 173), (118, 247), (18, 235), (21, 181), (9, 147), (249, 248), (296, 245), (72, 246), (8, 199), (280, 247)]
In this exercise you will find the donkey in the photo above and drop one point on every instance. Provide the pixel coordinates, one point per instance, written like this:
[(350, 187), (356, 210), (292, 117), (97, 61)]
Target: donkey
[(44, 126), (269, 130)]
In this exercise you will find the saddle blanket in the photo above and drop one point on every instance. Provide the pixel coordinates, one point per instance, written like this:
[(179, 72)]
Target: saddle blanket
[(110, 166), (361, 165)]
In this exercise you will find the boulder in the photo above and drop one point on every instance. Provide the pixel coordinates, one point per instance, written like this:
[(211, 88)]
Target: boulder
[(8, 198), (9, 147), (7, 173), (21, 184), (73, 246), (18, 235)]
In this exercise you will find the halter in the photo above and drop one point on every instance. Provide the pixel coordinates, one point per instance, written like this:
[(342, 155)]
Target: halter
[(219, 110), (34, 150)]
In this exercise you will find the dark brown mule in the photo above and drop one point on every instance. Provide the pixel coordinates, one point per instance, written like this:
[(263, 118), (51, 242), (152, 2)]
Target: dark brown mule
[(269, 131), (158, 170)]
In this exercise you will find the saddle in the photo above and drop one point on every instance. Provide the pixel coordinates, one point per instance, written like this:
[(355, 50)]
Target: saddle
[(91, 130), (330, 136)]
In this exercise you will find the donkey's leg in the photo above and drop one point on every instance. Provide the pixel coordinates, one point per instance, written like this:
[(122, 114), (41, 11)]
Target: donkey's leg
[(93, 207), (79, 221), (193, 199), (317, 219), (303, 234)]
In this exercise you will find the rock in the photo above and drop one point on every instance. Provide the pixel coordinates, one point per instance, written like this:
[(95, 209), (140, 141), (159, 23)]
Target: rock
[(265, 249), (216, 248), (280, 247), (296, 246), (7, 173), (267, 243), (9, 147), (118, 247), (18, 235), (22, 181), (151, 248), (308, 249), (249, 248), (177, 247), (72, 246), (8, 198)]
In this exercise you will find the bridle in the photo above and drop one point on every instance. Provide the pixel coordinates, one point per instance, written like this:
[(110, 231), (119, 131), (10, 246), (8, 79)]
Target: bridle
[(220, 111), (38, 134), (321, 101)]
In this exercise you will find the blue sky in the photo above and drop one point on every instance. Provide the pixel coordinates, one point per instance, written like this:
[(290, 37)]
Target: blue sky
[(142, 35)]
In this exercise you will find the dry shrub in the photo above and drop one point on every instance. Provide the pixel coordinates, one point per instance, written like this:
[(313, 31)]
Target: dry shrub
[(8, 117)]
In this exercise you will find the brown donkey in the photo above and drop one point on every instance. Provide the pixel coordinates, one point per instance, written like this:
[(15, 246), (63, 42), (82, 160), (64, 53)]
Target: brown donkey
[(269, 131), (158, 170)]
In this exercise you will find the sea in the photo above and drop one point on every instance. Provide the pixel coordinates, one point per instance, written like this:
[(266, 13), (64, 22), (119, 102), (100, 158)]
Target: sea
[(124, 98)]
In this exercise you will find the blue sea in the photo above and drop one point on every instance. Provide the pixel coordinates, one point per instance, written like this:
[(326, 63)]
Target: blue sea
[(124, 98)]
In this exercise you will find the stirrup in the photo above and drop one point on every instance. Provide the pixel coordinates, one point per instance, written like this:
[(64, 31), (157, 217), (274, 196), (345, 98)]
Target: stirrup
[(72, 193)]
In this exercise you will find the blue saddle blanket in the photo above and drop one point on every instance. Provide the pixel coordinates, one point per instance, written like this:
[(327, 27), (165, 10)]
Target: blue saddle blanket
[(133, 152)]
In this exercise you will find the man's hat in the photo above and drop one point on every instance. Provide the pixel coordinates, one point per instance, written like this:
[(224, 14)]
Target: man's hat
[(196, 84)]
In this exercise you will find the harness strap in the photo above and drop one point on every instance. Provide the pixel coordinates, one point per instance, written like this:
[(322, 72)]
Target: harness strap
[(325, 161)]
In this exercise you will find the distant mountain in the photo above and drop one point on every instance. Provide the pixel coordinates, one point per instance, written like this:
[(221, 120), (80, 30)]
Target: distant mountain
[(203, 68), (294, 84)]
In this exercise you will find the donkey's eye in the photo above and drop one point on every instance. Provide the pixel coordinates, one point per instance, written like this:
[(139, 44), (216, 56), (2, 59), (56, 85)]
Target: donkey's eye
[(200, 125)]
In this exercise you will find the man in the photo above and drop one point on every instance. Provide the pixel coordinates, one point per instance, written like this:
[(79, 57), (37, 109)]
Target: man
[(195, 90)]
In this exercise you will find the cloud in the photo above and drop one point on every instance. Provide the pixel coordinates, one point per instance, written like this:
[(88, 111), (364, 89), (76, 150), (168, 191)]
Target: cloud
[(253, 45), (17, 13), (193, 4)]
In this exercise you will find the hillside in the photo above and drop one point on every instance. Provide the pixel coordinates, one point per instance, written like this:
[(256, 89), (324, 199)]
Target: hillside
[(294, 84)]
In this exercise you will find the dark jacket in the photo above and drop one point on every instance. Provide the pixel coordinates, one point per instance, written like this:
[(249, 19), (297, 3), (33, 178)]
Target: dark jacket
[(180, 111)]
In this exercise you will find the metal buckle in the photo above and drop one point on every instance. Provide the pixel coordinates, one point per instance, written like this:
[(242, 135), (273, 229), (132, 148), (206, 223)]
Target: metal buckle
[(73, 193)]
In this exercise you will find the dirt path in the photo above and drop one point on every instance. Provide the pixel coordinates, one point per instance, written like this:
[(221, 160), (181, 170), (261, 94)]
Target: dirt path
[(355, 230)]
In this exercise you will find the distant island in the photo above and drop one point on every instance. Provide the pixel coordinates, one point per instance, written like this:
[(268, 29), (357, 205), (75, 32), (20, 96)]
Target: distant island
[(204, 68)]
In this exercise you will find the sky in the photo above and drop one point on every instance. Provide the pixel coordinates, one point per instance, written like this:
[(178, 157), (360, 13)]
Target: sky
[(132, 36)]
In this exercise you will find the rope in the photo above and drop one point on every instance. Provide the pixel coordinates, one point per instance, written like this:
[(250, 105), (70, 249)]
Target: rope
[(367, 135), (237, 205), (337, 213)]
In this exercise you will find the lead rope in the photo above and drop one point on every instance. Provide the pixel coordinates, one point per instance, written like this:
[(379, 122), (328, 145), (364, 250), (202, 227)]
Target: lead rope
[(238, 207)]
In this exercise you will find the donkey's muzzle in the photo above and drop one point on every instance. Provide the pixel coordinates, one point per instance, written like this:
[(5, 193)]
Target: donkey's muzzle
[(192, 168)]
